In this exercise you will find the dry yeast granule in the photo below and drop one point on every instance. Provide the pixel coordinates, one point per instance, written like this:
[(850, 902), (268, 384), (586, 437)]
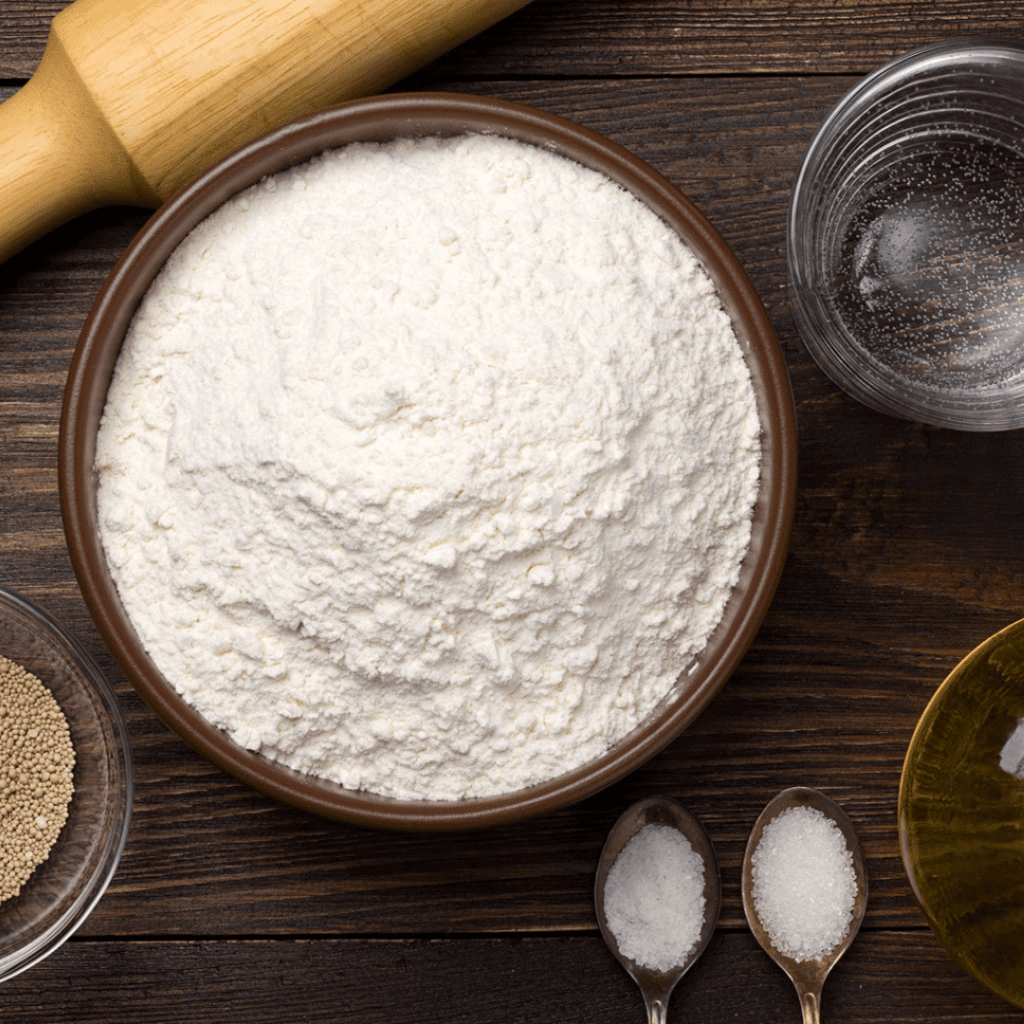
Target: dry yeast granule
[(36, 784)]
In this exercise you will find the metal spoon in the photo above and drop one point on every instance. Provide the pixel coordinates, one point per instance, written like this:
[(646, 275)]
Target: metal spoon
[(655, 985), (807, 975)]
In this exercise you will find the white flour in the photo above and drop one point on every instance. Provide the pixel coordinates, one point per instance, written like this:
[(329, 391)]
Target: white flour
[(428, 467)]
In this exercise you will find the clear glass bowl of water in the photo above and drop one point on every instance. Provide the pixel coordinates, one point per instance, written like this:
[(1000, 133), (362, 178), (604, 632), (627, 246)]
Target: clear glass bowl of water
[(906, 237)]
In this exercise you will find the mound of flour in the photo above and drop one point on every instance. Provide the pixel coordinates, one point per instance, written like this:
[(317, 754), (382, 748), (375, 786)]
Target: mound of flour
[(427, 467)]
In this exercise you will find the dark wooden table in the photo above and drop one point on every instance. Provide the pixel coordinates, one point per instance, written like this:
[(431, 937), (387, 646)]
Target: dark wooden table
[(229, 907)]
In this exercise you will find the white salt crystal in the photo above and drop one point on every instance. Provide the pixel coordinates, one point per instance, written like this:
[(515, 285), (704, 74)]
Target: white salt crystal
[(804, 883), (654, 898)]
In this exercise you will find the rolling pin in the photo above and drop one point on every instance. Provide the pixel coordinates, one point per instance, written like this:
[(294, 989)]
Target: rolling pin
[(131, 100)]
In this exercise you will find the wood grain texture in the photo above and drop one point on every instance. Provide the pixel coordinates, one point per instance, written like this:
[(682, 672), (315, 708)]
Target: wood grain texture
[(231, 907), (616, 38), (486, 981), (130, 102), (881, 561)]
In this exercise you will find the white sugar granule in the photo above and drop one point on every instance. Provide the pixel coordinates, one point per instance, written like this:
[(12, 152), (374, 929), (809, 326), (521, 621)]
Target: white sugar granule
[(804, 883), (428, 467), (654, 898)]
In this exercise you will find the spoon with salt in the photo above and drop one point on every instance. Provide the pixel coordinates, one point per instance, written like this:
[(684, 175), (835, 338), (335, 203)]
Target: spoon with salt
[(804, 852), (657, 894)]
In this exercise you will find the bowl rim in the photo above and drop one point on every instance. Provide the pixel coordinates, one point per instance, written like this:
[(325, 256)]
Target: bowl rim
[(381, 118), (979, 410), (72, 917)]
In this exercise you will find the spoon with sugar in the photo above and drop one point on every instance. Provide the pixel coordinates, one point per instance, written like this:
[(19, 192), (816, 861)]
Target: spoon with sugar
[(805, 888), (657, 895)]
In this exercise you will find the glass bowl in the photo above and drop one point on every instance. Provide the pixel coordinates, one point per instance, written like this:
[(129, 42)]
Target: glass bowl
[(906, 238), (380, 119), (961, 813), (62, 891)]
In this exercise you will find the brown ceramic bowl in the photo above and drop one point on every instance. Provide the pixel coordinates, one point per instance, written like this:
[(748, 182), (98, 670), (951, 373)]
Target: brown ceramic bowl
[(381, 119)]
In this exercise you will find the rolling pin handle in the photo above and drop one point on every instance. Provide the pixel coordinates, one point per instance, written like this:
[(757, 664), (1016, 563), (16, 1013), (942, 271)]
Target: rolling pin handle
[(61, 158)]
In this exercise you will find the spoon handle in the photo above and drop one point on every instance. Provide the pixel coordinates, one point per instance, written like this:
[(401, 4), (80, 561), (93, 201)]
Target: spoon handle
[(810, 1006), (657, 1010)]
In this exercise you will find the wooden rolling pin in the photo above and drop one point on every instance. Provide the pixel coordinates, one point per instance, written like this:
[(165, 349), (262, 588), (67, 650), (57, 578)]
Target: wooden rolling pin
[(133, 98)]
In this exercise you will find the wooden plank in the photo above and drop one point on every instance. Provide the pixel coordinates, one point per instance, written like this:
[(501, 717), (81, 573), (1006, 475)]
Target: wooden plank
[(229, 907), (898, 978), (204, 852), (616, 38), (887, 585)]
